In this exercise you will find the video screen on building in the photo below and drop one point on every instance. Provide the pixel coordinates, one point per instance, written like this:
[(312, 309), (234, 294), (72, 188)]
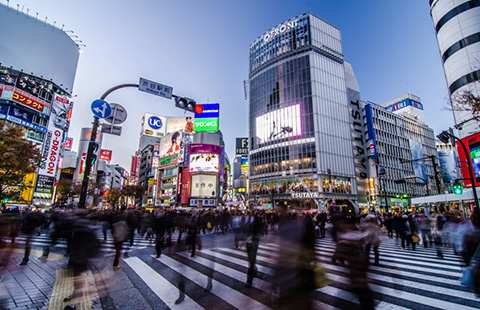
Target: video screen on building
[(279, 124), (204, 158), (475, 155)]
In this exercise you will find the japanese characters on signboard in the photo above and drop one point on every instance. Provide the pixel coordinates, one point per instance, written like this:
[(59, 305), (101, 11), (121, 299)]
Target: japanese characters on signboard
[(44, 184), (106, 155), (68, 144), (208, 119), (204, 158), (203, 185)]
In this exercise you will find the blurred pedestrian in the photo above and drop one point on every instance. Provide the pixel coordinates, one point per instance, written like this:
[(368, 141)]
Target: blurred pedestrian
[(32, 221)]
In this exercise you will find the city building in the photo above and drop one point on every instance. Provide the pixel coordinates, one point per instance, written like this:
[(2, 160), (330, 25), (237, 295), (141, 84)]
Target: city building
[(402, 153), (457, 28), (35, 90), (301, 144)]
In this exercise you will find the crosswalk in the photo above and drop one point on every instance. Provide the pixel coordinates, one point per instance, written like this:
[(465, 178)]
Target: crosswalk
[(107, 247), (404, 279)]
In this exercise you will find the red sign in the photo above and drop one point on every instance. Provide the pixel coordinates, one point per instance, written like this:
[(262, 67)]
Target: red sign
[(68, 144), (62, 100), (184, 200), (472, 144), (27, 101), (106, 155)]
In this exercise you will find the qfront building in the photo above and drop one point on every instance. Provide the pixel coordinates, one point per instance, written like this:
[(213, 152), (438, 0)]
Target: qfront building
[(457, 27), (301, 152), (38, 62)]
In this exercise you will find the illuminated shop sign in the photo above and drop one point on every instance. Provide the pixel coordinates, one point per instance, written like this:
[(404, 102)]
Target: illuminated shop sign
[(279, 124), (208, 119), (242, 146), (372, 143), (280, 30), (154, 125), (68, 144), (106, 155), (27, 101), (204, 158), (305, 195)]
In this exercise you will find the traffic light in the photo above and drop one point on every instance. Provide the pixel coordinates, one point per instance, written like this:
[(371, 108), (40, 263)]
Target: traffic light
[(188, 104), (457, 188), (94, 153)]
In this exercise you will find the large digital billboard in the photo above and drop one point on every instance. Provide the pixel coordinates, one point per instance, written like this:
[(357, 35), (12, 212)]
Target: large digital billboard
[(208, 119), (449, 163), (29, 40), (204, 158), (203, 185), (279, 124)]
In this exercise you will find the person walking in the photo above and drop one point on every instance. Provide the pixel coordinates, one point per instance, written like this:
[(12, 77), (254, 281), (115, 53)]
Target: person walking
[(398, 224), (32, 221), (120, 232), (425, 228), (372, 227)]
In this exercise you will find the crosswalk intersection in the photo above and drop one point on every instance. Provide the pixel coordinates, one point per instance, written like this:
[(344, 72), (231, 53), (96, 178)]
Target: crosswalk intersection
[(404, 279)]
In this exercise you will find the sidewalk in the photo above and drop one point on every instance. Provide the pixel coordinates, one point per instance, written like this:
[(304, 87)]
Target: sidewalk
[(42, 284)]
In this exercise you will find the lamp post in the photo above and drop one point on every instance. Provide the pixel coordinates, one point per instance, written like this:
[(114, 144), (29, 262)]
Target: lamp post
[(446, 137)]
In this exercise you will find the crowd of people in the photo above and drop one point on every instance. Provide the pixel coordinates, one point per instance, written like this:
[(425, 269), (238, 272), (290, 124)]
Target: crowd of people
[(296, 271)]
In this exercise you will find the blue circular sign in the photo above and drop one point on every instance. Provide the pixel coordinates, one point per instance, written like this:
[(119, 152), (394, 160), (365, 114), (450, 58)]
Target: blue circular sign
[(101, 108), (155, 122)]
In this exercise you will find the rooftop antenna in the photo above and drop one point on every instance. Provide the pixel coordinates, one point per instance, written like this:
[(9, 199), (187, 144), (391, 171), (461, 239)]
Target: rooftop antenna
[(18, 7), (46, 19), (8, 3), (63, 25), (28, 10), (36, 15)]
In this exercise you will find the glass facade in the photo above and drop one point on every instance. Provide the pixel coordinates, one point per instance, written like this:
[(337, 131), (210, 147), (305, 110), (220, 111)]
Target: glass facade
[(299, 125)]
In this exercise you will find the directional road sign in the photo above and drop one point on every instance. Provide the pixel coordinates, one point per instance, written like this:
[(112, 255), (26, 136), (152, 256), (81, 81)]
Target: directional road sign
[(101, 108), (155, 88)]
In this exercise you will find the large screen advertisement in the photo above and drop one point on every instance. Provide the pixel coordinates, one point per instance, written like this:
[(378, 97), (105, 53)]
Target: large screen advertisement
[(203, 185), (475, 156), (419, 167), (279, 124), (180, 123), (208, 119), (30, 39), (204, 158)]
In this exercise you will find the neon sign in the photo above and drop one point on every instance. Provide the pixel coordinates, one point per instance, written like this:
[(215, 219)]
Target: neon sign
[(280, 29)]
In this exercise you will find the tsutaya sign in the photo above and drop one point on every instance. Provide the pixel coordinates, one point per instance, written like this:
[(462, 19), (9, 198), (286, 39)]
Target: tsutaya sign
[(306, 195), (280, 29)]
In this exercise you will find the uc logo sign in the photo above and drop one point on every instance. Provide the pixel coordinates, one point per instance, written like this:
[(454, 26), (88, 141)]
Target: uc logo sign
[(155, 122)]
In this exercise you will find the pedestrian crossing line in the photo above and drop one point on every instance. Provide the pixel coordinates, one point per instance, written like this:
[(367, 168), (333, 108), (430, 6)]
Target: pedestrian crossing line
[(224, 292), (420, 253), (230, 272), (395, 255), (347, 296), (244, 260), (167, 292), (36, 253), (430, 268), (394, 272), (461, 297), (406, 283)]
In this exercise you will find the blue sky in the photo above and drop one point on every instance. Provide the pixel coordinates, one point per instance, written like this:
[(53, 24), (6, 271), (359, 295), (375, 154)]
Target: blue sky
[(200, 48)]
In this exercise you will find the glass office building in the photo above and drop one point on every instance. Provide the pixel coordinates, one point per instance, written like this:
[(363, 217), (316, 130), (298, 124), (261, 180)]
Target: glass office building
[(300, 135)]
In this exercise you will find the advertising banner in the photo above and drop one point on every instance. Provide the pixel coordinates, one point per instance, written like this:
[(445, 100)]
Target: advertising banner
[(241, 146), (154, 125), (204, 158), (208, 120), (419, 167), (279, 124), (403, 104), (372, 143), (244, 166), (45, 185), (170, 144), (449, 163), (158, 191), (106, 155), (222, 160), (203, 185), (29, 101), (184, 124), (185, 187)]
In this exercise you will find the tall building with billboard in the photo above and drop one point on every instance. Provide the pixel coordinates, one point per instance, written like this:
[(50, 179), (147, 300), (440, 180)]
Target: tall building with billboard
[(38, 62), (457, 28), (300, 151)]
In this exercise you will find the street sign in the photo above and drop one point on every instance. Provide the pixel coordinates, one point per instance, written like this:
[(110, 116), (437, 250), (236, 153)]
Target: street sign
[(111, 129), (155, 88), (118, 116), (101, 108)]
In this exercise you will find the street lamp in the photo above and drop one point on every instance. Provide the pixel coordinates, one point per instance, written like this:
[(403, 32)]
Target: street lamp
[(446, 137)]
